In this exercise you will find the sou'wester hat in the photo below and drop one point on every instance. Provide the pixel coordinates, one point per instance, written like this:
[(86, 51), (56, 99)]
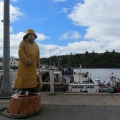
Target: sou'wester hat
[(29, 31)]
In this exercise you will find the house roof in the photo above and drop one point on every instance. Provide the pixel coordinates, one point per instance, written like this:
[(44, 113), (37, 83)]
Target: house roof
[(1, 59)]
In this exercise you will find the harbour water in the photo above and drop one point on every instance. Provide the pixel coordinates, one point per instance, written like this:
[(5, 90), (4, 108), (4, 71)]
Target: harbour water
[(103, 73)]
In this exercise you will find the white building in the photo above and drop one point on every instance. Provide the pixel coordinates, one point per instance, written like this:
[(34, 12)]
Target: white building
[(13, 62)]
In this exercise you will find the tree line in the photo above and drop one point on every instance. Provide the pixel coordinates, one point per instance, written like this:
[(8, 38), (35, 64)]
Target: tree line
[(86, 60)]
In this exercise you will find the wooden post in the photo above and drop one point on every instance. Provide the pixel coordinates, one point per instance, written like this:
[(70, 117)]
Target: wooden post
[(25, 105)]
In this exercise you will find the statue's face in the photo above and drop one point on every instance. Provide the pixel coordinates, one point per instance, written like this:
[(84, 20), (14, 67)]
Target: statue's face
[(31, 37)]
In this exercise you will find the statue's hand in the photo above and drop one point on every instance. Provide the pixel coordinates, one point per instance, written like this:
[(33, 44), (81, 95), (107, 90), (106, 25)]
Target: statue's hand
[(29, 62)]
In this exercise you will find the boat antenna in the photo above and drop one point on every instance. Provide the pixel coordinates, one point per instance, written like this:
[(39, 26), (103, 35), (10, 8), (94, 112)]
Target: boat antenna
[(85, 66), (80, 67)]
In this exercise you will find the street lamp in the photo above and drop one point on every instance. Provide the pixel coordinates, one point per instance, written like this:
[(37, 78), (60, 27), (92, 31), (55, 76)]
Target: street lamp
[(6, 89)]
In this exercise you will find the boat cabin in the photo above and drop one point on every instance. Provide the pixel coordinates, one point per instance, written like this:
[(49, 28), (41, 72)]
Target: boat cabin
[(112, 80)]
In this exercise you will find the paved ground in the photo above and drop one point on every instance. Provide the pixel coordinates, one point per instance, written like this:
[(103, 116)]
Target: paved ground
[(69, 106), (100, 99)]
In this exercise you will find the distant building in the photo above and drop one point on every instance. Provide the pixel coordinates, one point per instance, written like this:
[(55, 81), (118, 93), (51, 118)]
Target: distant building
[(13, 63)]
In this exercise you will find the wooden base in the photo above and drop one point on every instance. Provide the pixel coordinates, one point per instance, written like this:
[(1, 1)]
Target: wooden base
[(25, 105)]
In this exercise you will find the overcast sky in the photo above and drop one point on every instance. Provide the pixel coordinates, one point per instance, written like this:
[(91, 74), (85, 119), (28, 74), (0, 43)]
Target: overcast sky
[(64, 26)]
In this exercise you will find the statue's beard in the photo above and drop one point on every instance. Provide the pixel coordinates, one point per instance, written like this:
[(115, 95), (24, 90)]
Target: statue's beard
[(31, 39)]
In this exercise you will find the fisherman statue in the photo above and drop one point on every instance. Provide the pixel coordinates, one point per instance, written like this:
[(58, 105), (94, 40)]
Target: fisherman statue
[(29, 61)]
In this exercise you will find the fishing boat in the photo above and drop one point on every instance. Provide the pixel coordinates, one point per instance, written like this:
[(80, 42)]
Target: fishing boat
[(114, 83), (111, 85), (82, 82)]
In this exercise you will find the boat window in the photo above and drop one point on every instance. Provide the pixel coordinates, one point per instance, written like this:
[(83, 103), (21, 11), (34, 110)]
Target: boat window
[(56, 76), (84, 75), (78, 86), (89, 86), (81, 86)]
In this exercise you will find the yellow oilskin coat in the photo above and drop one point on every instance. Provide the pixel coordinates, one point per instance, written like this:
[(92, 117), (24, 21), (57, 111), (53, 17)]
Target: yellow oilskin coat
[(26, 76)]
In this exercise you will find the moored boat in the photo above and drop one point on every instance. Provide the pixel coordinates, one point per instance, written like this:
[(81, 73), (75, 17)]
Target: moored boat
[(82, 82)]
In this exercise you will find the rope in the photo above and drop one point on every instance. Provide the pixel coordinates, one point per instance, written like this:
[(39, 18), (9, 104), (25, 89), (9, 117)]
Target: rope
[(4, 112)]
